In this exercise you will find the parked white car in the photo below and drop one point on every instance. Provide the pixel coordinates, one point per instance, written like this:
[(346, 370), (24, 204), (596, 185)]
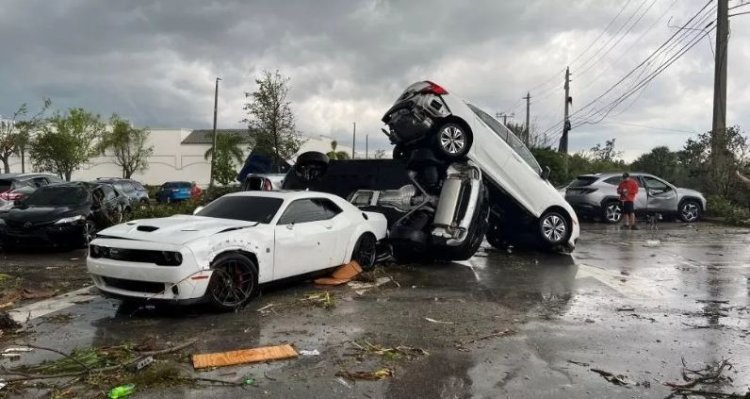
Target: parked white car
[(426, 117), (223, 252)]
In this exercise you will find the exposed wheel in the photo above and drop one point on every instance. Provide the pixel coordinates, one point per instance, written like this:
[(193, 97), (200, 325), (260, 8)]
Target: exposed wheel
[(233, 282), (690, 211), (365, 251), (612, 212), (89, 233), (495, 235), (453, 140), (554, 228), (311, 165)]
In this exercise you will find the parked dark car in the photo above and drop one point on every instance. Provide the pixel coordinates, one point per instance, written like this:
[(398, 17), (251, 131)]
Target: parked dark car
[(16, 186), (172, 191), (61, 215), (136, 193)]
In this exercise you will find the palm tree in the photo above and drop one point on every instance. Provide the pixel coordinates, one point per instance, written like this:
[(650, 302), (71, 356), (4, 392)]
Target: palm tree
[(333, 154)]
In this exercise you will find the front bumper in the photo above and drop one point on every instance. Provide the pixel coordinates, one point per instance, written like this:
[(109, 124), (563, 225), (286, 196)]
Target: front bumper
[(185, 283), (63, 235)]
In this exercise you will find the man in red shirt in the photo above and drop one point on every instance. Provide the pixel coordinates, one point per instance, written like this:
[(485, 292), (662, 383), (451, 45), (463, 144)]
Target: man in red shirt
[(628, 189)]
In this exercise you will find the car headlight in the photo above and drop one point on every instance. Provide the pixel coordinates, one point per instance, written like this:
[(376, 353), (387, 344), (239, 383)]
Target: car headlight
[(71, 219)]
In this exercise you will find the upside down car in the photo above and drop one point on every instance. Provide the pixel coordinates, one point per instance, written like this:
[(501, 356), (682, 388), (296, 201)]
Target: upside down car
[(224, 251)]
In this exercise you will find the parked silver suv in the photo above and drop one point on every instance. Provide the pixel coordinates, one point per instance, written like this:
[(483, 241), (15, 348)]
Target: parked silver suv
[(595, 195)]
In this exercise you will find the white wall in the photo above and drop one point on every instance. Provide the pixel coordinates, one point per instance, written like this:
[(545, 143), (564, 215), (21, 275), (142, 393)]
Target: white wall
[(171, 160)]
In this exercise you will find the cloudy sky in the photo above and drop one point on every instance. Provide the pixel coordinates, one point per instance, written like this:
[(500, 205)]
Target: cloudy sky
[(155, 62)]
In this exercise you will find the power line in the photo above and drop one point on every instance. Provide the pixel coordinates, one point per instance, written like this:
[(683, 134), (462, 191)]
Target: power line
[(587, 67), (589, 47), (654, 54)]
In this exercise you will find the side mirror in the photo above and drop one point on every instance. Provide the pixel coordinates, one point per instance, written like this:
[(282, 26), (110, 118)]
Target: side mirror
[(290, 226), (198, 209), (545, 173)]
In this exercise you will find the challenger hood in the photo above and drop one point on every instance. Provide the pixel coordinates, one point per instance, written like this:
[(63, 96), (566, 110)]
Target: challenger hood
[(179, 229)]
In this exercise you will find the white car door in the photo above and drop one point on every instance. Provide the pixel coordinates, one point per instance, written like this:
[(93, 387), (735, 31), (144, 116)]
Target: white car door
[(304, 239)]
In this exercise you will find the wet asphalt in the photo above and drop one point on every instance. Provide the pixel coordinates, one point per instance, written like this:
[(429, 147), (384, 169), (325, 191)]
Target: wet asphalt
[(505, 324)]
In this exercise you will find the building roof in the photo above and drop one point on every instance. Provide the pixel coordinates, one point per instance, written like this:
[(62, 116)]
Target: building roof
[(204, 136)]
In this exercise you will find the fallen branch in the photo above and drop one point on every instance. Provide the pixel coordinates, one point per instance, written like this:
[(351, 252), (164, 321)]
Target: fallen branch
[(82, 364), (83, 373), (710, 374), (611, 377)]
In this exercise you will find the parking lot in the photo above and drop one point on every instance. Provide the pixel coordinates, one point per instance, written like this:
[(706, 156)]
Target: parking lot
[(503, 324)]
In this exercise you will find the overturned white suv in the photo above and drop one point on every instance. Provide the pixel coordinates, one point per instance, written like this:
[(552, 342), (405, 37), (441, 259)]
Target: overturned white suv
[(428, 123)]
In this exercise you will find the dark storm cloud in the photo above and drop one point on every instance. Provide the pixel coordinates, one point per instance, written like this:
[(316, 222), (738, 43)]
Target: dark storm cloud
[(155, 61)]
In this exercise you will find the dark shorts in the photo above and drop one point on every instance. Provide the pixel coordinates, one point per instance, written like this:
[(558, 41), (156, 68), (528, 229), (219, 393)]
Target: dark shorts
[(627, 207)]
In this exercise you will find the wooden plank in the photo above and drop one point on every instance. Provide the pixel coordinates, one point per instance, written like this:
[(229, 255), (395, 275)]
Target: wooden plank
[(244, 356)]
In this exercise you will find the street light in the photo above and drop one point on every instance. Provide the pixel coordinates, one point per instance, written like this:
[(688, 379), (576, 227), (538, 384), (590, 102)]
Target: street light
[(213, 152)]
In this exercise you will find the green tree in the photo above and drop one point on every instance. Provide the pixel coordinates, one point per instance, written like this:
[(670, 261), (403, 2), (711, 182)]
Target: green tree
[(227, 156), (14, 133), (128, 146), (270, 118), (660, 161), (333, 154), (66, 142), (695, 159)]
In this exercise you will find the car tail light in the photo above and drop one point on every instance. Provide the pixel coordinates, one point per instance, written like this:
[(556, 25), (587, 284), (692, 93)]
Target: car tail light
[(10, 196), (434, 89), (267, 186)]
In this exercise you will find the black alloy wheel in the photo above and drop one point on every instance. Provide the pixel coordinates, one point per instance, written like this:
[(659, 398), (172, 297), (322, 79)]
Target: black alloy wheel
[(233, 282), (365, 251)]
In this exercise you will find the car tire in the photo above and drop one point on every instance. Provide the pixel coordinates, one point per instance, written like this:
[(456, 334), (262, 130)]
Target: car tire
[(494, 235), (452, 140), (612, 212), (233, 282), (311, 165), (89, 233), (554, 229), (689, 211), (365, 251)]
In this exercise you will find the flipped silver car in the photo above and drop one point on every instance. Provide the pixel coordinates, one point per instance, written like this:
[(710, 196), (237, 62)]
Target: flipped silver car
[(595, 195)]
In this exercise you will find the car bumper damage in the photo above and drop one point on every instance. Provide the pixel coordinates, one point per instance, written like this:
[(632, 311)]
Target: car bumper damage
[(141, 270)]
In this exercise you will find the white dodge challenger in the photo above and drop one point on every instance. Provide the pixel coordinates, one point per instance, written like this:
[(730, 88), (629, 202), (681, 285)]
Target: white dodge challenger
[(223, 252)]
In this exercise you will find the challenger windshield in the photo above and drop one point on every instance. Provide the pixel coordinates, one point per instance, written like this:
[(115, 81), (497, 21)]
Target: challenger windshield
[(243, 207)]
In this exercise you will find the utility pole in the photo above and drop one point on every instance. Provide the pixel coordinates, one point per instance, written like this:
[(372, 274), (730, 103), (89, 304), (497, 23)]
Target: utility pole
[(367, 146), (354, 137), (719, 124), (566, 119), (504, 116), (527, 130), (213, 152)]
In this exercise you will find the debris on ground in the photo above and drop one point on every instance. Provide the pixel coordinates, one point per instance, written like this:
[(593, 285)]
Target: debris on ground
[(582, 364), (360, 287), (618, 379), (244, 356), (389, 353), (305, 352), (322, 299), (378, 374), (7, 323), (59, 318), (652, 243), (33, 293), (122, 391), (716, 301), (431, 320), (342, 275), (625, 309), (637, 316), (711, 374)]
